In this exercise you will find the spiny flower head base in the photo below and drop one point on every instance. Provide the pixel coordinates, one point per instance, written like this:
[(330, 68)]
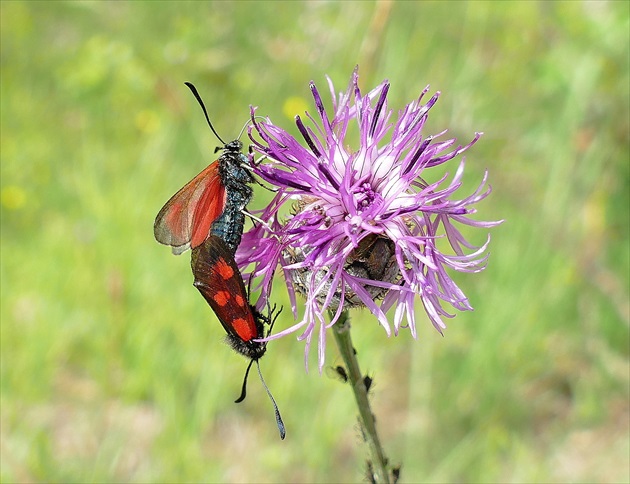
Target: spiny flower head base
[(365, 225)]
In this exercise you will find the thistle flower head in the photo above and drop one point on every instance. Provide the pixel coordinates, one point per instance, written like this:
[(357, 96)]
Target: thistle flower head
[(366, 229)]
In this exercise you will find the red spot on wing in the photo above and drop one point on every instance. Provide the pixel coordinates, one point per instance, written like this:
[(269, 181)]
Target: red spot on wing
[(244, 328), (218, 279), (222, 298), (239, 300), (224, 269), (185, 220)]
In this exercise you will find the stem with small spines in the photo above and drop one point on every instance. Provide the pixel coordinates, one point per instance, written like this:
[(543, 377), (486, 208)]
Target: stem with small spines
[(378, 461)]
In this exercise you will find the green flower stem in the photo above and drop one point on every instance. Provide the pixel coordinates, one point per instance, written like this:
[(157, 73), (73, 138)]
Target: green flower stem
[(341, 330)]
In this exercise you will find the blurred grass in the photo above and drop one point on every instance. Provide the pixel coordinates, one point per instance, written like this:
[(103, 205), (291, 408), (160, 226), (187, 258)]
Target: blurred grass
[(113, 368)]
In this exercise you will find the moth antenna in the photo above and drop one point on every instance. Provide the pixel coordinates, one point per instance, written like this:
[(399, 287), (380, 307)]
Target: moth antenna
[(258, 116), (242, 130), (244, 389), (279, 421), (198, 97)]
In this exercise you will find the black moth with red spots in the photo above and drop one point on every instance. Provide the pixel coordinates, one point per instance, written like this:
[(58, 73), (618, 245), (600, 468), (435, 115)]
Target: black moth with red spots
[(219, 281)]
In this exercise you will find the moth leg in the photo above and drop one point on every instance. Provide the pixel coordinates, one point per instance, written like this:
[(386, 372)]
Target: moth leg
[(256, 219)]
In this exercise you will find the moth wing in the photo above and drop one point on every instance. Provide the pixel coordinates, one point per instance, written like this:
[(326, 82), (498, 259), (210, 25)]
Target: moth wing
[(185, 220), (219, 281)]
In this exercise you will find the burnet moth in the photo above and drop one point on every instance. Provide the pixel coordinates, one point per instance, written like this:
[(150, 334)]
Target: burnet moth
[(207, 215), (212, 202), (219, 281)]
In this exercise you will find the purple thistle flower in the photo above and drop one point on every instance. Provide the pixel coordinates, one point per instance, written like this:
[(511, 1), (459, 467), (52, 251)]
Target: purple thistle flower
[(366, 229)]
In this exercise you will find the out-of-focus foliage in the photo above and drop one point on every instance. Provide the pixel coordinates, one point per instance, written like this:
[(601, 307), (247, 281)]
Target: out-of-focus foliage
[(113, 367)]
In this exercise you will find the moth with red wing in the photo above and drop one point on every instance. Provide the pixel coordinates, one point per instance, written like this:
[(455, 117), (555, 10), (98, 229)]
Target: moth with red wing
[(212, 202), (207, 215), (219, 281)]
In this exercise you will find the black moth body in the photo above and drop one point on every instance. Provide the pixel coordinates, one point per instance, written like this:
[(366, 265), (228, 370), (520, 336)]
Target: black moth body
[(236, 179)]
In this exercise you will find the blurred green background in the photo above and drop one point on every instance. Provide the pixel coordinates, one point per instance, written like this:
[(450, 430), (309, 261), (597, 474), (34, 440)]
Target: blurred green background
[(113, 366)]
